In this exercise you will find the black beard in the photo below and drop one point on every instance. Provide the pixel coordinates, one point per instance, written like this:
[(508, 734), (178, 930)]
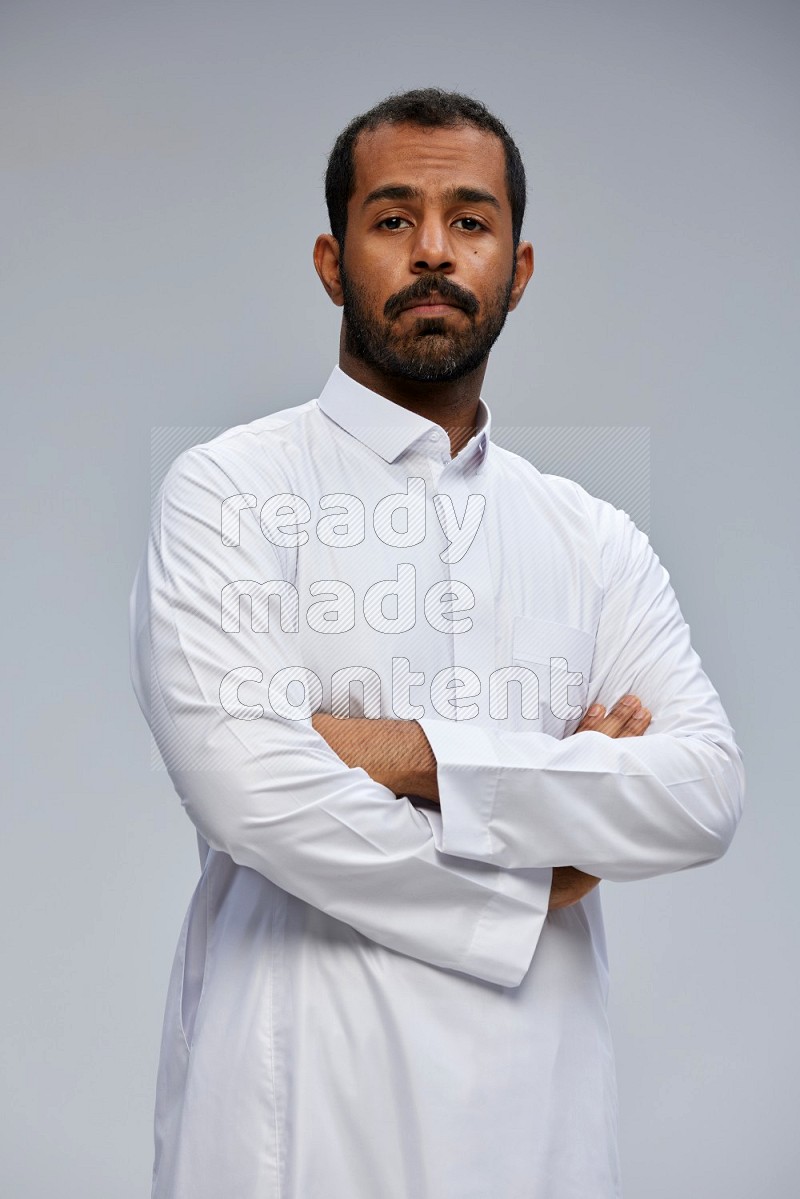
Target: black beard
[(430, 352)]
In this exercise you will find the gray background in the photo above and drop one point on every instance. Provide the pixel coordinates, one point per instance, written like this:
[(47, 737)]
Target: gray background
[(162, 190)]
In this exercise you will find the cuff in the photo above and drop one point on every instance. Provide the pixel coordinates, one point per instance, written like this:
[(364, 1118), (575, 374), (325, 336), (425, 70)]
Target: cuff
[(466, 774), (507, 930), (509, 927)]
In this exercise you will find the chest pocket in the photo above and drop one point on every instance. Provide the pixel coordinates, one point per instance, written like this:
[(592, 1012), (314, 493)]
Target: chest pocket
[(561, 657)]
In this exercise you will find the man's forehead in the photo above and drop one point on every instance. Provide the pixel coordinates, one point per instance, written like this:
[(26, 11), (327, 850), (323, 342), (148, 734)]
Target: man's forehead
[(445, 156)]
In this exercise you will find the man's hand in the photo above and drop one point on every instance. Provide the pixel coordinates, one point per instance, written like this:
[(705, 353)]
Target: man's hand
[(626, 719)]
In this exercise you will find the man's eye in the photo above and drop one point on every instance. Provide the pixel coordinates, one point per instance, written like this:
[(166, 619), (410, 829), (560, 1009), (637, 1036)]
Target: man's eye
[(391, 222), (470, 223)]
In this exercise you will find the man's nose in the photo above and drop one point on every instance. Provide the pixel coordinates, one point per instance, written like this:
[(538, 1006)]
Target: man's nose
[(432, 249)]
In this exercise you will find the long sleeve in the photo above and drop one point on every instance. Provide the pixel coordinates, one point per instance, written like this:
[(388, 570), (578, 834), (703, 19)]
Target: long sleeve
[(620, 809), (269, 791)]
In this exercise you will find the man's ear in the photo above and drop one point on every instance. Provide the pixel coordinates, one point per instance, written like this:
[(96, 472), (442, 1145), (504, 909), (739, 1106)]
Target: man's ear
[(326, 264), (523, 269)]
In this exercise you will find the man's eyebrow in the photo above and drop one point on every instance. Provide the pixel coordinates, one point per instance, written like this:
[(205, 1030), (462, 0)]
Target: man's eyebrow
[(471, 195), (453, 195), (395, 191)]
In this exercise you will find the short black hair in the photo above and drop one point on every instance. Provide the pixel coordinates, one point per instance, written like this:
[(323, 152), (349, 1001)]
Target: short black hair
[(430, 107)]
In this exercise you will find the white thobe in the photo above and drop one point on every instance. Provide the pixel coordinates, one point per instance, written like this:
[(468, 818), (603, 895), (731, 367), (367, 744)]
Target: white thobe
[(369, 999)]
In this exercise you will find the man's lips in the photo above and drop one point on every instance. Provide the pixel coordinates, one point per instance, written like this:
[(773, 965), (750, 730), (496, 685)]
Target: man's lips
[(434, 306)]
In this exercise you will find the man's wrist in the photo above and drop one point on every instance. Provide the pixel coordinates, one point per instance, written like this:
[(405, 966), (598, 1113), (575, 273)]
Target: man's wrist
[(395, 753)]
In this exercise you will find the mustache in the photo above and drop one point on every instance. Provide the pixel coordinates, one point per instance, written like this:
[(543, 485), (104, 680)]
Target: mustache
[(423, 288)]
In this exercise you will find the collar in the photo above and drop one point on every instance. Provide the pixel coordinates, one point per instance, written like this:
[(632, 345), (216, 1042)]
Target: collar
[(389, 429)]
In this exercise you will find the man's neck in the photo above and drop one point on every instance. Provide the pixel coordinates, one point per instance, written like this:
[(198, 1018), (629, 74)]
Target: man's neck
[(453, 405)]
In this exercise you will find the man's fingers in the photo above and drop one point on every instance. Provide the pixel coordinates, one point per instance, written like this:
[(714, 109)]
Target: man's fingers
[(636, 724), (627, 718), (592, 720), (620, 714)]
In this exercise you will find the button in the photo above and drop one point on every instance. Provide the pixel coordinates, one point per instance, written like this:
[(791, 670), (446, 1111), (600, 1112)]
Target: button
[(433, 435)]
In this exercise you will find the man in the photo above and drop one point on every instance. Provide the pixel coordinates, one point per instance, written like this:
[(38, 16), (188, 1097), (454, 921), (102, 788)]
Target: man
[(364, 637)]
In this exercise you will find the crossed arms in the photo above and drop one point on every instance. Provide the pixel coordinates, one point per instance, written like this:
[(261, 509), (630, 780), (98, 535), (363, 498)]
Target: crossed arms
[(397, 754), (465, 885)]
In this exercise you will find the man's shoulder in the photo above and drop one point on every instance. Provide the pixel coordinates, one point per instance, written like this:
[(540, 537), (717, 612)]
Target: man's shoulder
[(588, 523), (282, 428), (556, 491), (265, 446)]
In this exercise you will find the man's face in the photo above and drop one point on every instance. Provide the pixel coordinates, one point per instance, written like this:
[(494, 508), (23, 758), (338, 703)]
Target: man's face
[(428, 265)]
